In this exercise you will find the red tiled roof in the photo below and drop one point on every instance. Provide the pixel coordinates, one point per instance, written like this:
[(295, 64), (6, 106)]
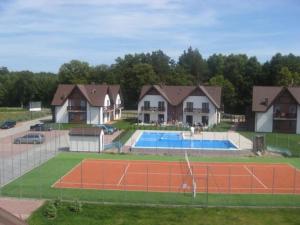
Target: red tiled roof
[(176, 94), (264, 96), (94, 93)]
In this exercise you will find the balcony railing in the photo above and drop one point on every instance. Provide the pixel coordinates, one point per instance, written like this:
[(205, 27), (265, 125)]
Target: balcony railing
[(108, 108), (76, 108), (197, 110), (153, 109), (281, 115), (119, 106)]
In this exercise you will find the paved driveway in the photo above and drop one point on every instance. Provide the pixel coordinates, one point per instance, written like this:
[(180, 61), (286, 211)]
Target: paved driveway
[(21, 127)]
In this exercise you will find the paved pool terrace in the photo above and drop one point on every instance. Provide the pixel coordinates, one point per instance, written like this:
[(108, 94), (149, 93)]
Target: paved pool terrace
[(242, 144)]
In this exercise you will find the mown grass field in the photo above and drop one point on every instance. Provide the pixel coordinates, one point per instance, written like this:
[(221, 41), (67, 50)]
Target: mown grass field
[(20, 114), (37, 184), (279, 141), (114, 215)]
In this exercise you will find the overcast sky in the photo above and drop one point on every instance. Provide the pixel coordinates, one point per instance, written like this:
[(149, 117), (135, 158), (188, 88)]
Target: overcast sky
[(40, 35)]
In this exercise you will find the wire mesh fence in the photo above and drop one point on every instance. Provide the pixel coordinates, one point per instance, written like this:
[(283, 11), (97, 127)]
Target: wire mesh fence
[(48, 171)]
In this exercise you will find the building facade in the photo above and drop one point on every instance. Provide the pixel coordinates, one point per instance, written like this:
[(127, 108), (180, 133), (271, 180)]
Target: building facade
[(276, 109), (193, 105), (90, 104)]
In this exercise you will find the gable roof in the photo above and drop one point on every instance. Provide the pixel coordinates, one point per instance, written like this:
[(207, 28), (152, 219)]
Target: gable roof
[(176, 94), (94, 93), (264, 96), (114, 90)]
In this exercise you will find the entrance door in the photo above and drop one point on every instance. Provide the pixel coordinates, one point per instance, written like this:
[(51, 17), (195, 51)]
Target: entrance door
[(146, 118), (189, 120), (161, 118)]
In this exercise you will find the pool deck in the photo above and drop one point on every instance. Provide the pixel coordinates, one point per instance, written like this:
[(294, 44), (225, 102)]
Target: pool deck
[(244, 145)]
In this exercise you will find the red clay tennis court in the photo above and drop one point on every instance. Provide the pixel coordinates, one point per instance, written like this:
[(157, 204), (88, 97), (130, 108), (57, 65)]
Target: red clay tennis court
[(161, 176)]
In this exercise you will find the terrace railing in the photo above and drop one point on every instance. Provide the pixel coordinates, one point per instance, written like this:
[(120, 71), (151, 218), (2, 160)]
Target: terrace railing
[(282, 115), (76, 108), (197, 110), (153, 109)]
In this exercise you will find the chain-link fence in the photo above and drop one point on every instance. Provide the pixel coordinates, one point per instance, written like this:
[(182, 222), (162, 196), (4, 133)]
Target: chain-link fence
[(38, 171)]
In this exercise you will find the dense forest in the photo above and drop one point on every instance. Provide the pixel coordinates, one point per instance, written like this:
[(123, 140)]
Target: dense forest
[(236, 73)]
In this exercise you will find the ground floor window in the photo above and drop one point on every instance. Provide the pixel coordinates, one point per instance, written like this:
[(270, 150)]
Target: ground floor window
[(161, 118), (146, 118), (189, 120), (204, 120), (77, 117)]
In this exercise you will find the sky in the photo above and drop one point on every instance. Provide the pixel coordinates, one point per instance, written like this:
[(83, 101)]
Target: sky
[(41, 35)]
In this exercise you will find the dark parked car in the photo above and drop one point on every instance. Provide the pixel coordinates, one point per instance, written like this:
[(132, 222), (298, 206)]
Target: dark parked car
[(40, 127), (8, 124), (30, 139), (106, 128)]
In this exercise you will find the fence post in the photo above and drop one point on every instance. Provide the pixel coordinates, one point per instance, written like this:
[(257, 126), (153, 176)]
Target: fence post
[(147, 178), (273, 180), (206, 185), (229, 179), (295, 180), (170, 178), (251, 181), (81, 174)]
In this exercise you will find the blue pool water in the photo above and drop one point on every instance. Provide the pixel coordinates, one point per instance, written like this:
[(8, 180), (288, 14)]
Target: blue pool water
[(175, 140)]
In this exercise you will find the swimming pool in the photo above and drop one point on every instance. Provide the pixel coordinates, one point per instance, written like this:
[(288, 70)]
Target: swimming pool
[(175, 140)]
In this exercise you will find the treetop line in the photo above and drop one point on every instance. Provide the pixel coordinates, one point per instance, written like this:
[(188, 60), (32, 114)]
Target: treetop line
[(236, 73)]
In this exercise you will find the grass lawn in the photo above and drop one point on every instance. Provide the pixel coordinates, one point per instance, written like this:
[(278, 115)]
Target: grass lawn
[(114, 215), (279, 141), (20, 114), (37, 184)]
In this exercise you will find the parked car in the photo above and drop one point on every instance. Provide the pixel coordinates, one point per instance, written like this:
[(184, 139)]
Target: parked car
[(106, 128), (8, 124), (30, 138), (40, 127)]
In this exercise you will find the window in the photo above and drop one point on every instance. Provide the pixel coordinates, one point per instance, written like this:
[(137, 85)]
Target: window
[(161, 118), (204, 120), (190, 105), (107, 102), (205, 105), (146, 104), (161, 105)]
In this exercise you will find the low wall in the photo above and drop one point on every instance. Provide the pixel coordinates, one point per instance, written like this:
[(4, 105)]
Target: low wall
[(149, 151)]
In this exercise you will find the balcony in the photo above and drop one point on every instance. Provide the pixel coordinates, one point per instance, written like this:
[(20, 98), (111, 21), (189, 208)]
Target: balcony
[(119, 106), (284, 116), (76, 108), (153, 109), (108, 108), (197, 110)]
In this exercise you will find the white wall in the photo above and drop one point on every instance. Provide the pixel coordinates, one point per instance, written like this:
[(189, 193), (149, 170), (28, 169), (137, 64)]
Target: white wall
[(298, 120), (93, 114), (119, 114), (197, 103), (264, 121), (105, 115), (86, 143), (61, 113), (153, 99)]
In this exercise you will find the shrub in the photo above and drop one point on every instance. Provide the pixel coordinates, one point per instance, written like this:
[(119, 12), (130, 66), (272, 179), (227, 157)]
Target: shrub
[(57, 203), (50, 211), (75, 206)]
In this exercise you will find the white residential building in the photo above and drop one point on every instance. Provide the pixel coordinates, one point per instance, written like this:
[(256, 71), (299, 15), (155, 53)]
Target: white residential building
[(91, 104), (193, 105)]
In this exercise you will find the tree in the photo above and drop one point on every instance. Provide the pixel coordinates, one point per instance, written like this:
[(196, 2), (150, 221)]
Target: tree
[(228, 92), (74, 72), (193, 63), (285, 77), (133, 79)]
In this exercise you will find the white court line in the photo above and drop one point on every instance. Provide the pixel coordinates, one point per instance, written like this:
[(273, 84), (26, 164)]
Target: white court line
[(259, 181), (122, 177)]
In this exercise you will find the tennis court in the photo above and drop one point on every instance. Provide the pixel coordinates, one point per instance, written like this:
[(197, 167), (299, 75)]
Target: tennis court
[(182, 176)]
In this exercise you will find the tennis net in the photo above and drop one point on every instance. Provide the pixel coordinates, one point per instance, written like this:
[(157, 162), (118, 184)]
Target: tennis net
[(190, 171)]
